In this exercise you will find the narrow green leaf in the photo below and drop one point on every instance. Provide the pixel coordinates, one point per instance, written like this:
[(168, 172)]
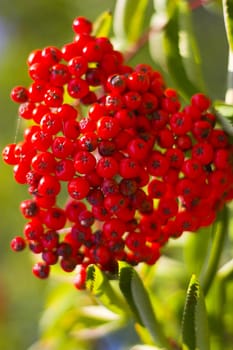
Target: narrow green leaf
[(195, 334), (188, 45), (138, 299), (145, 309), (228, 19), (98, 284), (102, 24), (128, 19), (225, 109), (174, 58), (225, 273), (225, 115), (188, 321), (125, 277), (88, 331)]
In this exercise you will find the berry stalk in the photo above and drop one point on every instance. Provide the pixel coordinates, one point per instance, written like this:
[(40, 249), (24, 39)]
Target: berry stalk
[(220, 229)]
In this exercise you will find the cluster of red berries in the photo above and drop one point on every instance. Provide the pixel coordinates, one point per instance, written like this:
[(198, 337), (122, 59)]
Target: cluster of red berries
[(138, 168)]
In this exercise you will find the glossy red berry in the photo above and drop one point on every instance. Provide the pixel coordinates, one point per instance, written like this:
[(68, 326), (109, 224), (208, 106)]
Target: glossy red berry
[(19, 94), (78, 188), (80, 278), (54, 218), (82, 25), (41, 270), (8, 154), (18, 244)]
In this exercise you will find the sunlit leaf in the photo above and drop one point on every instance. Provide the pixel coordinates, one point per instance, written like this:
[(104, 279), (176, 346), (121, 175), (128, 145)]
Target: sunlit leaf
[(225, 115), (138, 299), (98, 284), (60, 301), (128, 19), (125, 277), (102, 25), (144, 334), (144, 347), (174, 58), (188, 46), (91, 332), (195, 334), (228, 18), (225, 273)]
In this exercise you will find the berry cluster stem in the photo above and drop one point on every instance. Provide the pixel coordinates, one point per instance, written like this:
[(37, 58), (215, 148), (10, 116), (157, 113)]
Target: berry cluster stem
[(220, 231)]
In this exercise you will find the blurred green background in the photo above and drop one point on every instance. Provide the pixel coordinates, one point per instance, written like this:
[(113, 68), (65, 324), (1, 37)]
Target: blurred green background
[(24, 26)]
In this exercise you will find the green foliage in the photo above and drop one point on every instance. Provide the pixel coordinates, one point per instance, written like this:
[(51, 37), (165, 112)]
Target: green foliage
[(195, 334), (128, 20), (99, 285), (228, 17), (225, 115), (138, 299), (172, 43), (102, 25)]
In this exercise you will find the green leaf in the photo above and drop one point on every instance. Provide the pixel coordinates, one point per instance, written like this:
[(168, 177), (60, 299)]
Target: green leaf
[(60, 302), (102, 24), (128, 19), (224, 113), (125, 277), (139, 302), (98, 284), (144, 347), (174, 58), (225, 273), (228, 19), (188, 45), (195, 334), (86, 329)]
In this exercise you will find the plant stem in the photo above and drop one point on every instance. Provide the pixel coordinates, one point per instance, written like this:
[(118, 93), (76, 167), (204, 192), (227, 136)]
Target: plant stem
[(219, 231), (229, 92), (226, 271)]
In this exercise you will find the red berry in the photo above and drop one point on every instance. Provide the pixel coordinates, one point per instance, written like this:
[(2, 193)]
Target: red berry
[(77, 88), (82, 25), (29, 208), (48, 186), (78, 188), (84, 162), (80, 278), (18, 244), (51, 55), (54, 218), (107, 127), (78, 66), (200, 101), (41, 270), (19, 94), (107, 167), (33, 230), (8, 154)]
